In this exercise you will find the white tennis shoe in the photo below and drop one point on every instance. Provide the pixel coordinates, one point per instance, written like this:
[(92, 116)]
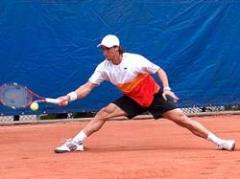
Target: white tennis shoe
[(227, 145), (69, 146)]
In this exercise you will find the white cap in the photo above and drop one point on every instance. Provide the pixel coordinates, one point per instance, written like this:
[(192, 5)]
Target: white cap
[(109, 41)]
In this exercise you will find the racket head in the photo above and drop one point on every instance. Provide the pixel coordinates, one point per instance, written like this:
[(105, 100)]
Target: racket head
[(15, 95)]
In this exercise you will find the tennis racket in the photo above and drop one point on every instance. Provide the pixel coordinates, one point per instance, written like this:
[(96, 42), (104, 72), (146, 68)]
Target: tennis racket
[(17, 96)]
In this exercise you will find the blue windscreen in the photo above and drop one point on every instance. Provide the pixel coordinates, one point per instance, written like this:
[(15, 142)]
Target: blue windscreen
[(50, 46)]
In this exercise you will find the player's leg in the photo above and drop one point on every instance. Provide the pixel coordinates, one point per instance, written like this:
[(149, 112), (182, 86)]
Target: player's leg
[(177, 116), (169, 110), (123, 106), (110, 111), (76, 143)]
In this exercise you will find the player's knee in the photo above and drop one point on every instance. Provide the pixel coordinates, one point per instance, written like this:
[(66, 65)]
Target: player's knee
[(103, 114)]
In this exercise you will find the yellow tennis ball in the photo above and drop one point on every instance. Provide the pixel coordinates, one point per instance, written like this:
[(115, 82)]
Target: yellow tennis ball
[(34, 106)]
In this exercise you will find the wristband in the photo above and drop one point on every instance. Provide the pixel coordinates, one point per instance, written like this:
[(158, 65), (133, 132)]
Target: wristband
[(167, 88), (72, 96)]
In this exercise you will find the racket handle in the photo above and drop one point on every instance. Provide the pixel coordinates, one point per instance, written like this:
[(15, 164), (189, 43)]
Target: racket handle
[(52, 100)]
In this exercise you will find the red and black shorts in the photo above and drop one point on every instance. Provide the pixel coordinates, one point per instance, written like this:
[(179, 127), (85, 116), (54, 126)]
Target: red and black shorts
[(157, 108)]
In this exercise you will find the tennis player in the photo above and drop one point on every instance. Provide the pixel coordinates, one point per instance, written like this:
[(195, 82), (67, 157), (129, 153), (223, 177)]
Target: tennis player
[(132, 75)]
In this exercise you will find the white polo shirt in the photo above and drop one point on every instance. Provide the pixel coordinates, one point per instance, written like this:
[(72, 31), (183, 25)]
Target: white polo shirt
[(132, 76)]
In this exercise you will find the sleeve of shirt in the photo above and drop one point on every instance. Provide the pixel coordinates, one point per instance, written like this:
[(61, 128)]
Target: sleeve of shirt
[(148, 65), (98, 75)]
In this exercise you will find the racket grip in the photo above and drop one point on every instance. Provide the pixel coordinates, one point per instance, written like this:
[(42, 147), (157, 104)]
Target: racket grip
[(52, 100)]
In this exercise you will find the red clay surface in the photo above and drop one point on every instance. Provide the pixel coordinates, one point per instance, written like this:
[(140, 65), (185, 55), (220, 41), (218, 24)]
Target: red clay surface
[(132, 149)]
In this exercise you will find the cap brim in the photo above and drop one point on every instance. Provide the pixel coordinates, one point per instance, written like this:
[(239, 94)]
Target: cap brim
[(100, 45)]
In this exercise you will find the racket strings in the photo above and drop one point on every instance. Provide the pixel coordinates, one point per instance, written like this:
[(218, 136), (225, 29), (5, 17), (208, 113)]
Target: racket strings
[(15, 96)]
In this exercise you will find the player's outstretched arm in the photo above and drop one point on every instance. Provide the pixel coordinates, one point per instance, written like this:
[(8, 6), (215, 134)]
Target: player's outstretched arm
[(85, 89), (81, 92)]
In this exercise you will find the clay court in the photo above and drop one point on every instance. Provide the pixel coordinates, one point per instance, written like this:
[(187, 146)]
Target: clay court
[(131, 149)]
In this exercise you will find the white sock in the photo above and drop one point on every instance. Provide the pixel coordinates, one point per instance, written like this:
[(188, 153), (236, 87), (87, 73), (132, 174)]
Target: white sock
[(80, 137), (213, 138)]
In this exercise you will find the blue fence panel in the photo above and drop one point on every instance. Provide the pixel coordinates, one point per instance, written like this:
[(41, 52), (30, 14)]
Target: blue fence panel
[(50, 46)]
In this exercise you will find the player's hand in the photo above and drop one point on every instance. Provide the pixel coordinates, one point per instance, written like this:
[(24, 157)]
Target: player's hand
[(169, 93), (63, 100)]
